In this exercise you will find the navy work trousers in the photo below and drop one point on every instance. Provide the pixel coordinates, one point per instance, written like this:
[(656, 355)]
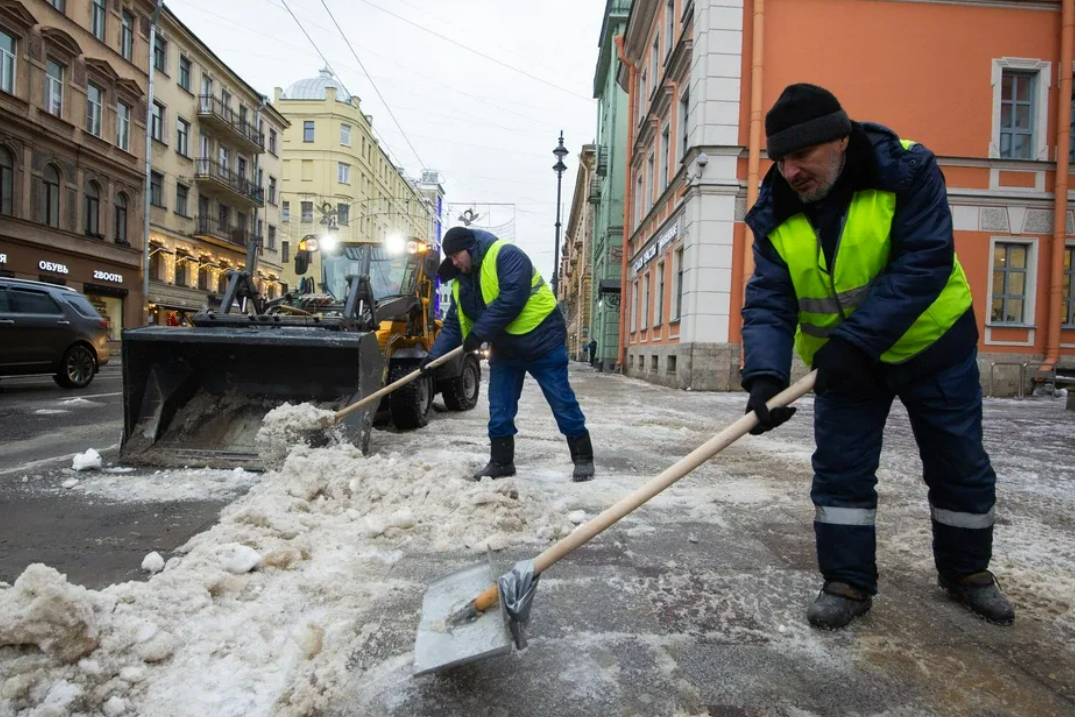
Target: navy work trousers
[(506, 385), (945, 409)]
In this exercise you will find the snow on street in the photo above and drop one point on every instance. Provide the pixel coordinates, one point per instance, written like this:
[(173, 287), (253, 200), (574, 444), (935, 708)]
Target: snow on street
[(304, 599)]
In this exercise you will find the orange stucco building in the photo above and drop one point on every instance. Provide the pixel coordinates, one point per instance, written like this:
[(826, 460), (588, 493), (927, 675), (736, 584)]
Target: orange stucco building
[(977, 81)]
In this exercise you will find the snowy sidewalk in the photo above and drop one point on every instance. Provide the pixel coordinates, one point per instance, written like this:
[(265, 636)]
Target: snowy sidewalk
[(692, 606)]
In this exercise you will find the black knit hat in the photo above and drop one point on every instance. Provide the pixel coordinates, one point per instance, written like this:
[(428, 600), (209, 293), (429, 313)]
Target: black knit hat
[(804, 115), (456, 240)]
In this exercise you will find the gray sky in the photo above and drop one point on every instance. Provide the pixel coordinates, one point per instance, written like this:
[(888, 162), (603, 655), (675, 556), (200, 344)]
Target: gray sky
[(488, 129)]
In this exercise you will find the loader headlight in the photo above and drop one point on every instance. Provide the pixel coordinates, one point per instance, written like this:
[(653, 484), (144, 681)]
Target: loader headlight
[(329, 243), (395, 244), (308, 245), (416, 247)]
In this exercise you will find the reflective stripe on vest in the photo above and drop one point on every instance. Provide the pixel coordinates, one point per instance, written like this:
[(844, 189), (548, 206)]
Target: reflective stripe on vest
[(862, 252), (540, 304)]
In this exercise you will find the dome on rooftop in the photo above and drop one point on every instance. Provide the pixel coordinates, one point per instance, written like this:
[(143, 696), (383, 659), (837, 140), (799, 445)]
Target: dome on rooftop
[(313, 88)]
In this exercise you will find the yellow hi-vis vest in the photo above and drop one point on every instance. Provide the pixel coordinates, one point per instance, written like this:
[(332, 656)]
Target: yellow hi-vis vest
[(541, 302), (862, 250)]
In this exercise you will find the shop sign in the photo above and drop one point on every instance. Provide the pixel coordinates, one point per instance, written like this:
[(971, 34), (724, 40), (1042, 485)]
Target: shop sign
[(663, 240), (52, 266), (3, 258), (108, 276)]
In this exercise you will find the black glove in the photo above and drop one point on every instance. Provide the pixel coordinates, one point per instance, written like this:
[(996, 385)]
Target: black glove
[(423, 365), (472, 343), (761, 390), (842, 365)]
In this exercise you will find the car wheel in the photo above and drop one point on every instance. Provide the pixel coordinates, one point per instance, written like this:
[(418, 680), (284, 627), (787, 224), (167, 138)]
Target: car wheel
[(77, 369)]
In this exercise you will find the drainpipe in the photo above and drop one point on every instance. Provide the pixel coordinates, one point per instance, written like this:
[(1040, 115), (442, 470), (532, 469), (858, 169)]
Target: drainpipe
[(149, 166), (627, 199), (754, 149), (1063, 146)]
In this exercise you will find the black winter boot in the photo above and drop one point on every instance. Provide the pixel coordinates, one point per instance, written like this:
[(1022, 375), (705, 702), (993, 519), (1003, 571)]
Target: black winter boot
[(501, 459), (838, 604), (980, 594), (582, 457)]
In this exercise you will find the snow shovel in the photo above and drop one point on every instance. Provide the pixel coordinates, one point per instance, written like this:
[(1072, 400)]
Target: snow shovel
[(459, 623), (378, 395)]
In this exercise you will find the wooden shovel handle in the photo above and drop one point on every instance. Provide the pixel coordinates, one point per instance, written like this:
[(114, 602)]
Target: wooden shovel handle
[(377, 395), (596, 525)]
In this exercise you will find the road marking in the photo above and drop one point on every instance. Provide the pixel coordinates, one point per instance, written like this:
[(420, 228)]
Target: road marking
[(55, 459), (100, 395)]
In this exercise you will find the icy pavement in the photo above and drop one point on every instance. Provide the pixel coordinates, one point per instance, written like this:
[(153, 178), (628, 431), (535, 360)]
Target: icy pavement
[(692, 606)]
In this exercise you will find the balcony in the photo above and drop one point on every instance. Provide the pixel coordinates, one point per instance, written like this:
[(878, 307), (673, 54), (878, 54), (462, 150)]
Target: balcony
[(215, 114), (602, 161), (220, 180), (209, 227), (595, 192)]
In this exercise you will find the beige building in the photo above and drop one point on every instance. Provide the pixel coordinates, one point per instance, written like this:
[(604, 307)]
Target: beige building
[(73, 79), (337, 179), (575, 274), (216, 177)]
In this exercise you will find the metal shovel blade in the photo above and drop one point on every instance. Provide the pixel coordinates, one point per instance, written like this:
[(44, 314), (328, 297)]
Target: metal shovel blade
[(437, 647)]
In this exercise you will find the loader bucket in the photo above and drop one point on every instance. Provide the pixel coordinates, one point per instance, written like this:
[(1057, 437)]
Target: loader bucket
[(197, 397)]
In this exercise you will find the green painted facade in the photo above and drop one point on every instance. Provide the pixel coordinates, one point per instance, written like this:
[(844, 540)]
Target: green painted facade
[(607, 250)]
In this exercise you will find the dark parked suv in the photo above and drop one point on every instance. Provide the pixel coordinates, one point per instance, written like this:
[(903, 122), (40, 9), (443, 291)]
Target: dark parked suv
[(46, 328)]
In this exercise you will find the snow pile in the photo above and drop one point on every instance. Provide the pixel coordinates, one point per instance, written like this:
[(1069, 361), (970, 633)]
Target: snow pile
[(160, 486), (43, 609), (261, 614), (153, 563), (289, 425), (88, 461)]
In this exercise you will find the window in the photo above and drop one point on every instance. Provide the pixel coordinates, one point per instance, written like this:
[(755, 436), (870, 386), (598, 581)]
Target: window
[(642, 98), (666, 156), (343, 214), (223, 157), (155, 262), (307, 131), (655, 54), (1009, 283), (54, 88), (243, 122), (60, 5), (225, 98), (645, 302), (272, 190), (94, 98), (126, 36), (160, 53), (634, 306), (156, 189), (7, 181), (1016, 113), (182, 137), (98, 22), (1069, 286), (223, 215), (182, 193), (307, 212), (684, 110), (181, 261), (203, 276), (345, 135), (669, 27), (184, 73), (121, 218), (658, 305), (51, 205), (677, 260), (123, 126), (651, 170), (285, 212), (285, 251), (272, 237), (157, 122), (343, 173), (207, 93), (638, 202), (670, 365), (240, 167), (93, 209), (7, 63), (272, 141), (28, 301)]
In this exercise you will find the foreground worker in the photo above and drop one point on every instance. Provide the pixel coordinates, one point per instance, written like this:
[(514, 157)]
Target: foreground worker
[(855, 266), (498, 297)]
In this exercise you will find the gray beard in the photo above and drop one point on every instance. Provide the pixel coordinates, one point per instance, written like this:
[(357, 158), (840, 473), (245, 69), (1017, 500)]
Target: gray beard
[(823, 190)]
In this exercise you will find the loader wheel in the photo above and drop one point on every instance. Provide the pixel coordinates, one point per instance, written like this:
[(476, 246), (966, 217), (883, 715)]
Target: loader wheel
[(410, 404), (461, 392)]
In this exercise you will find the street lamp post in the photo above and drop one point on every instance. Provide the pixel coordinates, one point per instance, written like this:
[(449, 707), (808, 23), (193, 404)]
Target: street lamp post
[(559, 167)]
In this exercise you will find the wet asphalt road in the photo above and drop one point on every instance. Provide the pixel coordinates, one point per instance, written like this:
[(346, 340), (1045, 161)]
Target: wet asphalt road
[(95, 543)]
